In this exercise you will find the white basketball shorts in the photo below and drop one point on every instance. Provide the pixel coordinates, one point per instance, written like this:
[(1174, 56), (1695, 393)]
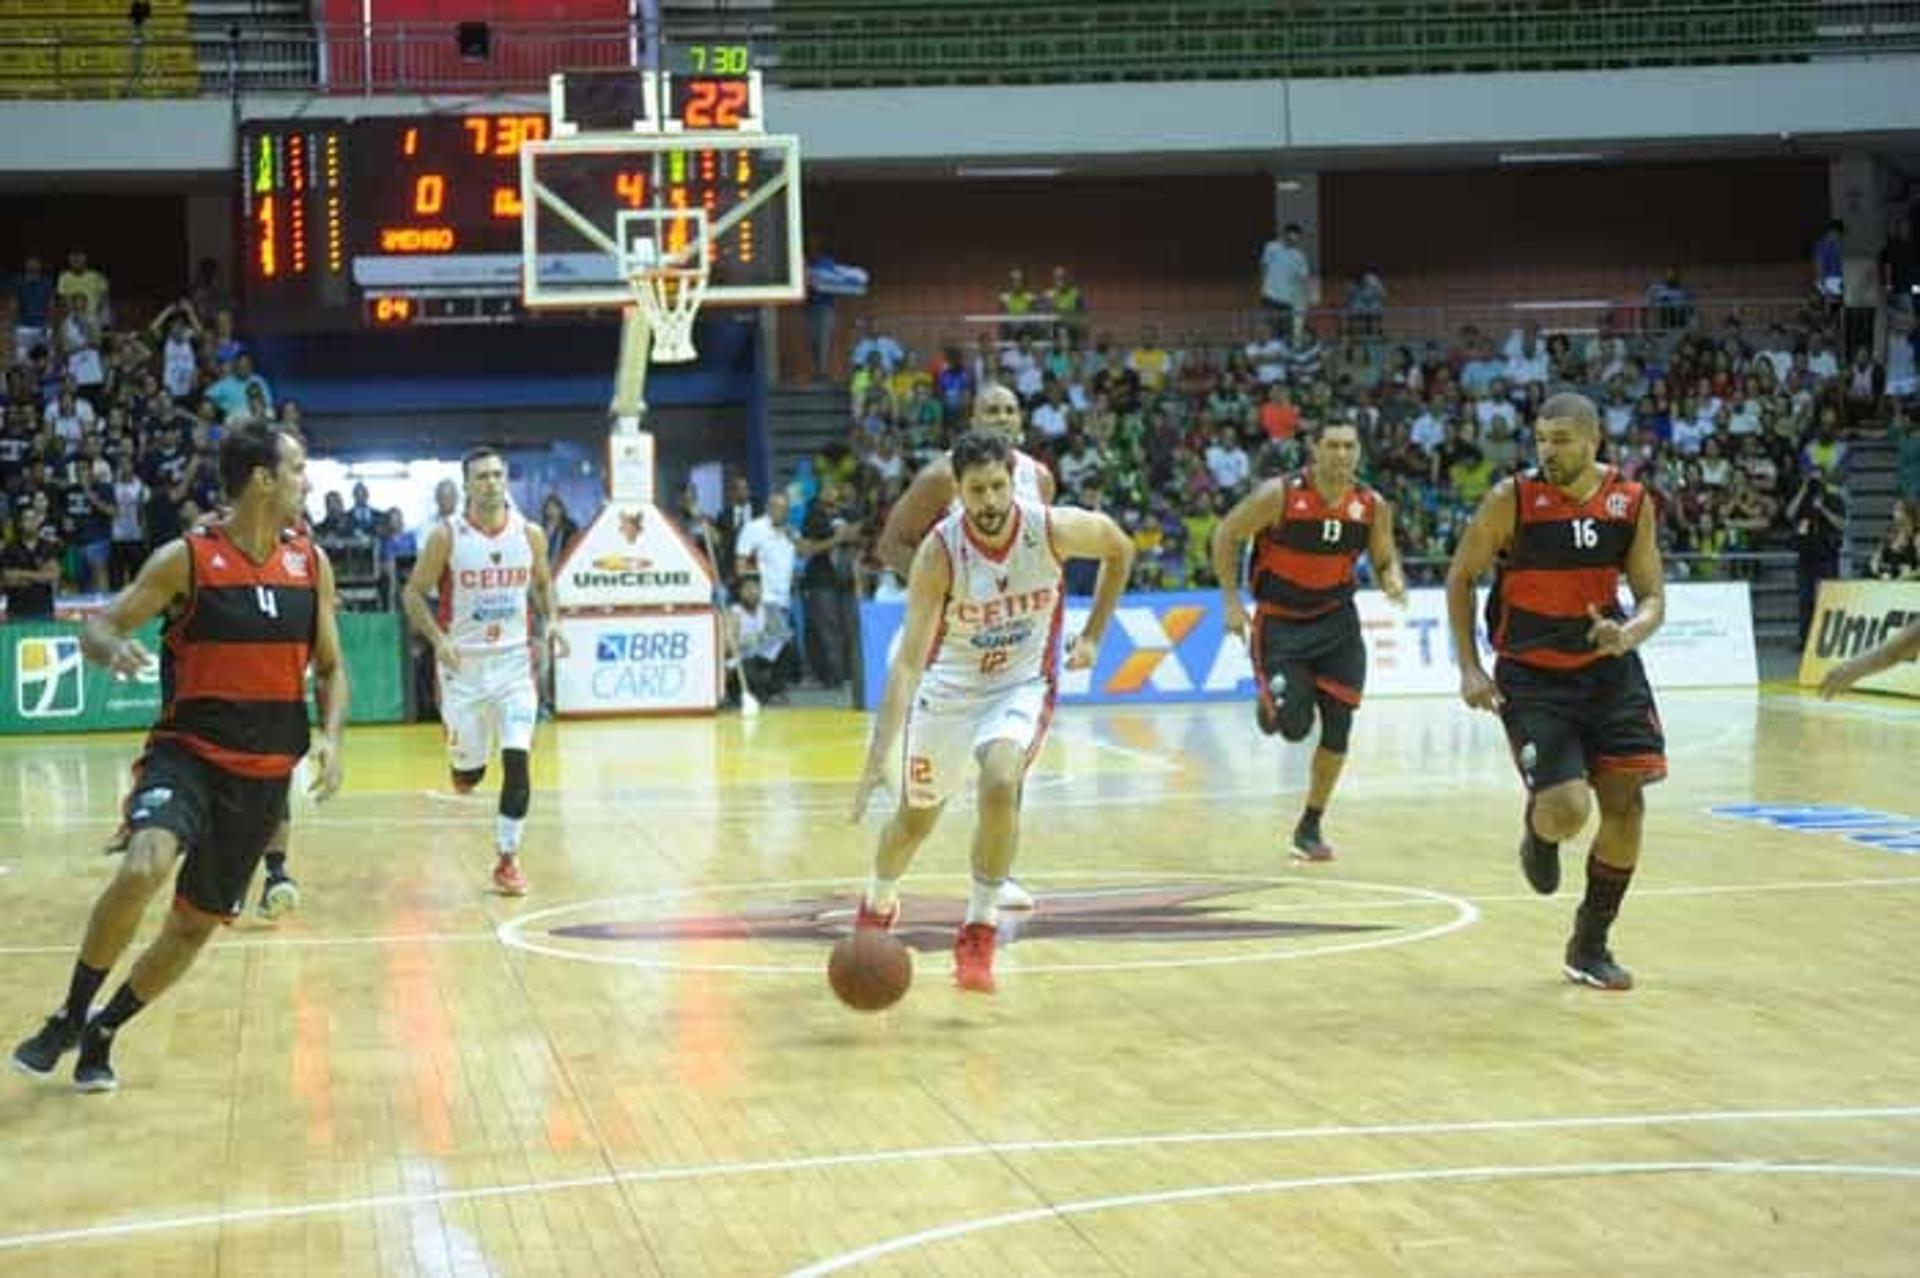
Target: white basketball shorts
[(945, 731), (490, 701)]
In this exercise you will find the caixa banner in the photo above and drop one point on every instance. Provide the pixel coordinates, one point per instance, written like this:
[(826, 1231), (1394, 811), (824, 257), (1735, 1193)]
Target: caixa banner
[(1175, 647)]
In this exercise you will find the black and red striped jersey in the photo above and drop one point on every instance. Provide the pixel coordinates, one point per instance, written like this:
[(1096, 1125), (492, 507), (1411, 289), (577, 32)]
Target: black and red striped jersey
[(1303, 562), (1566, 556), (233, 666)]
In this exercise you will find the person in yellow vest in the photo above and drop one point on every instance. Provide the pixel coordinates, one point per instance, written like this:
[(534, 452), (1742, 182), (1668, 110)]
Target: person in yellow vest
[(1068, 304), (1015, 300)]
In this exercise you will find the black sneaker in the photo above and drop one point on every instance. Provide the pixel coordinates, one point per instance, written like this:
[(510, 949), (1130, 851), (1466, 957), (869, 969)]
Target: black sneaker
[(279, 896), (1539, 859), (93, 1072), (38, 1055), (1593, 965), (1309, 847)]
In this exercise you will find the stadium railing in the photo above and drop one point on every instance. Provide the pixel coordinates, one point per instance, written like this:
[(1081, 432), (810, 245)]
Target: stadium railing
[(806, 44)]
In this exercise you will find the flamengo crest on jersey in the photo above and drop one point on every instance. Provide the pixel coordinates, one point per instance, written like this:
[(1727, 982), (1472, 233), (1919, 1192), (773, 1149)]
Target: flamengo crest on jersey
[(483, 596), (1001, 620)]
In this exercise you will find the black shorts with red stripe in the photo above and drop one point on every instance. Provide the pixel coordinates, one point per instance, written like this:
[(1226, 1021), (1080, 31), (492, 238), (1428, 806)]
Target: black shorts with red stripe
[(1330, 646), (1565, 725), (223, 821)]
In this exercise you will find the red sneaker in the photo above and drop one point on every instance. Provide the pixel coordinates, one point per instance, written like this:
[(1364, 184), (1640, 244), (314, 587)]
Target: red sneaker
[(507, 879), (867, 916), (973, 957)]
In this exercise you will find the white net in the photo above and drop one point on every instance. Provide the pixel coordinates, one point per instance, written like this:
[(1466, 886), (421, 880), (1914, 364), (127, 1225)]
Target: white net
[(669, 301)]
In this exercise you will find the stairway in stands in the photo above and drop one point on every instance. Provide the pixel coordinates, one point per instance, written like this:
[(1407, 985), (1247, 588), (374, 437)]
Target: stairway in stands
[(802, 420), (276, 48)]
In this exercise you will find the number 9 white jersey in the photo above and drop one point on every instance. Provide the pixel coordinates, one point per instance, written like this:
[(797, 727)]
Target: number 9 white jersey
[(483, 594)]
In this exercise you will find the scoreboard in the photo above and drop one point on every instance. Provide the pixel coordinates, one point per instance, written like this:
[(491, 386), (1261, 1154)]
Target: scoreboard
[(397, 221)]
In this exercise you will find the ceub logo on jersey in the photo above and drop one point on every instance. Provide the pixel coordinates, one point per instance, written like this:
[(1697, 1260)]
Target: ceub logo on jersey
[(48, 677)]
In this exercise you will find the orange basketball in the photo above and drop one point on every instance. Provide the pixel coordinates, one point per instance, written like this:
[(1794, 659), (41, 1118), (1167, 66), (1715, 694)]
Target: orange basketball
[(869, 970)]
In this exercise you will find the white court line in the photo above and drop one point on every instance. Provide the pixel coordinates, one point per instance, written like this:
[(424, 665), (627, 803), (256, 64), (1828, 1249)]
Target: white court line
[(924, 1154), (1464, 915), (271, 942), (1062, 1211)]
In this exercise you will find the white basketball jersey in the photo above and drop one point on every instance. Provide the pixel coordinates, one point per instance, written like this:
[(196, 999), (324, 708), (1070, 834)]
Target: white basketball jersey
[(483, 596), (1000, 625), (1026, 482)]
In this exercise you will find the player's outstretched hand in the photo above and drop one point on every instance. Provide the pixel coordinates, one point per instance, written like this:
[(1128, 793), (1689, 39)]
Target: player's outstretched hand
[(323, 757), (1838, 680), (1478, 690), (1233, 615), (1082, 652), (871, 779)]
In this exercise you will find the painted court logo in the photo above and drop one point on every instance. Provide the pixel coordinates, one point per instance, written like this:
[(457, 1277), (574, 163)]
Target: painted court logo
[(1176, 912), (48, 677)]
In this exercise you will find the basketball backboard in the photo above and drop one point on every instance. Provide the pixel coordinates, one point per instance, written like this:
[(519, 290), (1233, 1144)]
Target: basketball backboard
[(580, 235)]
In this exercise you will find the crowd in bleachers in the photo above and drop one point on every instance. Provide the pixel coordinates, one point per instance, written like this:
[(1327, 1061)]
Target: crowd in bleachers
[(107, 430), (1741, 433)]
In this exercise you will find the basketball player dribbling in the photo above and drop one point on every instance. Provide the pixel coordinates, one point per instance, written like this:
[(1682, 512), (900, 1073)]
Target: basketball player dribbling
[(487, 564), (974, 676), (934, 494), (1309, 531), (1579, 713)]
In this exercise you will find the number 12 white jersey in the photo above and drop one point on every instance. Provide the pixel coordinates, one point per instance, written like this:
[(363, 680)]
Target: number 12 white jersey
[(1000, 625)]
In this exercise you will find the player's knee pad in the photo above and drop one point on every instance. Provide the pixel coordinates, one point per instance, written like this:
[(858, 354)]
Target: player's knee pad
[(1336, 724), (516, 788), (465, 780)]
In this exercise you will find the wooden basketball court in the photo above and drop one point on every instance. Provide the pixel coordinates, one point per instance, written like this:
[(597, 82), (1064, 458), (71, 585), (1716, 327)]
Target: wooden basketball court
[(1202, 1060)]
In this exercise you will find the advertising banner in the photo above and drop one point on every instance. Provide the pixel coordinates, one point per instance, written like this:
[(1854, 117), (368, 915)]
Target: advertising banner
[(46, 686), (1175, 647), (1852, 617), (632, 556), (635, 663)]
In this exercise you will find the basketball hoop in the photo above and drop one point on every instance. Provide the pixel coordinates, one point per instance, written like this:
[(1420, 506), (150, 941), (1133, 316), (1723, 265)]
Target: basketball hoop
[(668, 301)]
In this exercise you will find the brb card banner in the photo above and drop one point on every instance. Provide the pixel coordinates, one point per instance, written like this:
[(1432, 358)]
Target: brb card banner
[(636, 663), (1175, 647)]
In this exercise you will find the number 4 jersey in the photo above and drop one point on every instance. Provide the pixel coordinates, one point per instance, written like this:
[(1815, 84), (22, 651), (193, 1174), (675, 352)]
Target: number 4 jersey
[(1000, 626), (483, 593)]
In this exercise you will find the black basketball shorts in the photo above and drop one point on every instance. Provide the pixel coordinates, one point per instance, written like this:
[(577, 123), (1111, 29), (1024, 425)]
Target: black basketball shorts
[(1329, 646), (1565, 725), (223, 821)]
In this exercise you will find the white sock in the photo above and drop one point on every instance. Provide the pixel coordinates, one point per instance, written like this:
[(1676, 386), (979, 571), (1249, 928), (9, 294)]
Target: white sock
[(882, 894), (507, 833), (983, 902)]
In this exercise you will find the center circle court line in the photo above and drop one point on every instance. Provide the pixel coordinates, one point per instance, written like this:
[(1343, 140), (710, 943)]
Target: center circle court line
[(1464, 914), (925, 1154), (1063, 1211)]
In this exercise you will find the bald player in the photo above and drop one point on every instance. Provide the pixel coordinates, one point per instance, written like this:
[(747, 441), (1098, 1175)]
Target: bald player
[(935, 493)]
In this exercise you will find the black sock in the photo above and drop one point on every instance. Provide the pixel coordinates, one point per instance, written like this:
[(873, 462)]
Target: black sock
[(1606, 885), (120, 1009), (276, 865), (1310, 818), (86, 983)]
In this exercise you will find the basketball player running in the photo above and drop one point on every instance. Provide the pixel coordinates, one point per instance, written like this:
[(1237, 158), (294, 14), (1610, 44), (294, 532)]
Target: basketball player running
[(935, 494), (1309, 530), (487, 563), (976, 664), (1569, 686), (249, 608)]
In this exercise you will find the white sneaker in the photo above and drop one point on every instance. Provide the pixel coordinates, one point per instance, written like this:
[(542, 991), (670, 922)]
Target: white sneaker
[(1013, 896), (281, 897)]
